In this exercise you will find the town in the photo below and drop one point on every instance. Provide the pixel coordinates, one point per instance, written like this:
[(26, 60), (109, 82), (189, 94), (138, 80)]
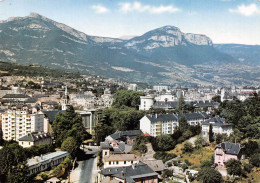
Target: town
[(81, 127)]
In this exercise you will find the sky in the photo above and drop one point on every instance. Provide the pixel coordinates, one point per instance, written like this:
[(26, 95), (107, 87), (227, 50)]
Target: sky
[(224, 21)]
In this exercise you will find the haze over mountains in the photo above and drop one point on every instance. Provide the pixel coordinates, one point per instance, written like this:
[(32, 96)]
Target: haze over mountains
[(163, 55)]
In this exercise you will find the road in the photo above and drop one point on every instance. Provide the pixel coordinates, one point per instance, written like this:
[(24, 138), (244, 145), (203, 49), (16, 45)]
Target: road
[(86, 172)]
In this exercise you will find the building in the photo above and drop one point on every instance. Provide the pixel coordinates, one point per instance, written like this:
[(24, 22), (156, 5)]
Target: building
[(226, 151), (88, 119), (35, 138), (132, 87), (219, 126), (146, 102), (160, 88), (159, 124), (18, 123), (119, 160), (139, 172), (38, 164), (126, 136), (49, 117)]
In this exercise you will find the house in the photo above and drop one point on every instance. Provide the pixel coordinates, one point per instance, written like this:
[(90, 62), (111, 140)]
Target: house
[(219, 126), (156, 165), (119, 160), (38, 164), (159, 124), (126, 136), (35, 138), (114, 147), (226, 151), (139, 172)]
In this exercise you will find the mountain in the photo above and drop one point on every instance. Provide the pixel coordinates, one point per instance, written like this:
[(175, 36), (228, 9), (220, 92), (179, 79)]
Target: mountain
[(246, 54), (163, 55)]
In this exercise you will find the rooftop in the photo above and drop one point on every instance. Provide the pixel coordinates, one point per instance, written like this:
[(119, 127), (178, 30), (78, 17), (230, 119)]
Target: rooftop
[(35, 136), (47, 157), (230, 148)]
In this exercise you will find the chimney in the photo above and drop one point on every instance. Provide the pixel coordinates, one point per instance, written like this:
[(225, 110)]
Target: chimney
[(122, 174), (155, 115), (41, 156)]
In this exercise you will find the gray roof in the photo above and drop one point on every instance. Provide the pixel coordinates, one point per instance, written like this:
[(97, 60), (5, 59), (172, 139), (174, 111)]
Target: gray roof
[(123, 134), (166, 105), (116, 150), (35, 136), (206, 103), (52, 114), (129, 173), (217, 121), (11, 96), (46, 157), (175, 117), (230, 148)]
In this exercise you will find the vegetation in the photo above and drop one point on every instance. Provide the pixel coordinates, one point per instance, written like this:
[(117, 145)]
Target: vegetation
[(69, 124), (37, 150), (123, 115), (211, 134), (70, 145), (13, 163), (209, 175), (161, 155), (188, 147), (32, 71), (234, 167), (139, 144)]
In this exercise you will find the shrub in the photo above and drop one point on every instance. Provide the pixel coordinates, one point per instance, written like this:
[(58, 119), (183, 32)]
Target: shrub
[(187, 147), (255, 159), (164, 156), (187, 162)]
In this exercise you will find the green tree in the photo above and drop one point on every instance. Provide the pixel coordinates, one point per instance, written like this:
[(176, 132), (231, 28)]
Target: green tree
[(255, 159), (199, 142), (233, 167), (216, 98), (11, 157), (18, 174), (187, 147), (128, 98), (70, 145), (69, 124), (181, 103), (183, 124), (165, 142), (211, 134), (209, 175)]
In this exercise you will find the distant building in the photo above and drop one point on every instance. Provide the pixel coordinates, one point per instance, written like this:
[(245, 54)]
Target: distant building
[(88, 119), (160, 88), (132, 87), (126, 136), (139, 172), (146, 102), (160, 124), (38, 164), (35, 138), (219, 126), (226, 151)]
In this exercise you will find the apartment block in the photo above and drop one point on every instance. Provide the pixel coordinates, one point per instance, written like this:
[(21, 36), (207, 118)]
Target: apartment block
[(18, 123)]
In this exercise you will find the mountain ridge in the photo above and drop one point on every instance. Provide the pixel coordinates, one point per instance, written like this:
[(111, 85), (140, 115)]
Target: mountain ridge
[(173, 56)]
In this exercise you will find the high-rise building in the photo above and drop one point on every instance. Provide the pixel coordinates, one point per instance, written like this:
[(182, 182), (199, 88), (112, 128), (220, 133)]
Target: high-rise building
[(17, 123)]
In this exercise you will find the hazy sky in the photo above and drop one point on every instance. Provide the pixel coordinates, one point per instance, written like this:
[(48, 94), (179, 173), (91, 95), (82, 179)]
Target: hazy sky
[(224, 21)]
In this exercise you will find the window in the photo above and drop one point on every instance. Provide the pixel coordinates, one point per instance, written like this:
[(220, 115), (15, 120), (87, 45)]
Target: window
[(117, 162), (105, 153), (124, 162), (110, 162), (132, 162)]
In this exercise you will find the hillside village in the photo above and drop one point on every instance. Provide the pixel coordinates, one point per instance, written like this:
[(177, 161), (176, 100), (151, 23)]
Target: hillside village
[(129, 131)]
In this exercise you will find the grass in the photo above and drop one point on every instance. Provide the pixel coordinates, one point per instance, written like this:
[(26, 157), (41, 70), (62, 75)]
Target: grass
[(195, 157), (253, 177)]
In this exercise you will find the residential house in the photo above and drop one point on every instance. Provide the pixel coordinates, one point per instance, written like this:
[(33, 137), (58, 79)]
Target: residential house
[(226, 151), (219, 126), (35, 138), (119, 160), (139, 172), (126, 136)]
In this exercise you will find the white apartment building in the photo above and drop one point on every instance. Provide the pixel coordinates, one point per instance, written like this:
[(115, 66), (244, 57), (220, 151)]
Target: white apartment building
[(18, 123), (160, 124), (219, 126)]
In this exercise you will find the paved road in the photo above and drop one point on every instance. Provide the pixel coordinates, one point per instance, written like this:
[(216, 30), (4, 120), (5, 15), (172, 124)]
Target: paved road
[(86, 172)]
